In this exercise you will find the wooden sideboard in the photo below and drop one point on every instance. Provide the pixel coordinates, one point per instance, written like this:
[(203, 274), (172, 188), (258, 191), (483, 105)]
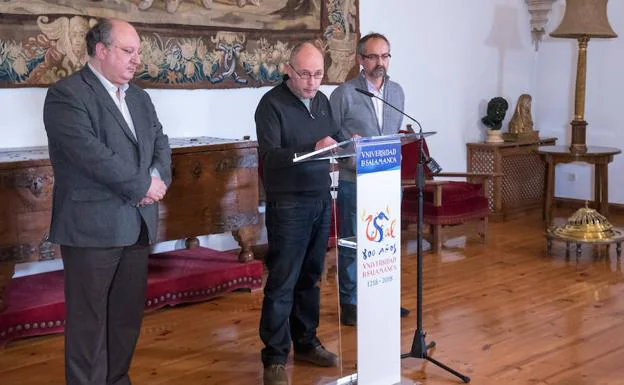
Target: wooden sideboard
[(522, 186), (214, 190)]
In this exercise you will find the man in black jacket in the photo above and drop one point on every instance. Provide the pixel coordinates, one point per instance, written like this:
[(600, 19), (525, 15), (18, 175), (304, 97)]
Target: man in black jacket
[(293, 118)]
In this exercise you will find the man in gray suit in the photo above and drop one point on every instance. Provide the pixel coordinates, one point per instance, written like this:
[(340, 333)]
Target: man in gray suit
[(358, 114), (112, 164)]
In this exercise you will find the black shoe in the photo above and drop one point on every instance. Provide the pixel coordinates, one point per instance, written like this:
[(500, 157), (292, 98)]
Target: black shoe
[(404, 312), (348, 315), (318, 356)]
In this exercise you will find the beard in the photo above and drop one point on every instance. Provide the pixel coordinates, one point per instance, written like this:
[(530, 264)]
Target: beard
[(377, 72)]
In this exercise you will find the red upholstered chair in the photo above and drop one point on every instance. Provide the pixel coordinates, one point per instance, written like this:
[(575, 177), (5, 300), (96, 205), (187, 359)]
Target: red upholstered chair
[(446, 204)]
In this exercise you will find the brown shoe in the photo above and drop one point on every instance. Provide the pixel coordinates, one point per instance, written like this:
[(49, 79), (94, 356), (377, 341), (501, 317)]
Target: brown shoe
[(275, 375), (318, 356)]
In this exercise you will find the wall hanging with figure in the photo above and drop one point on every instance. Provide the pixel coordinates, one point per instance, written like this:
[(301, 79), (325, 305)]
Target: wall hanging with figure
[(184, 43)]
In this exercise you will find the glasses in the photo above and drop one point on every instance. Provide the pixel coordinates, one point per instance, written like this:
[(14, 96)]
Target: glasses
[(127, 51), (305, 75), (375, 57)]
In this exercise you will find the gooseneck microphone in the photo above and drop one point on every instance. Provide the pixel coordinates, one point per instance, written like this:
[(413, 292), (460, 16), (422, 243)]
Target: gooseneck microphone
[(372, 95), (429, 162)]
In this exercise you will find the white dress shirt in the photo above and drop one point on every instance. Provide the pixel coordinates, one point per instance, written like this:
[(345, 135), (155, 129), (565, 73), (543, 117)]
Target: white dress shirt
[(119, 97), (378, 104)]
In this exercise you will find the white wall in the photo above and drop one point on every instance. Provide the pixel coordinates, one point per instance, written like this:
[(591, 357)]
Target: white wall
[(556, 74), (451, 56)]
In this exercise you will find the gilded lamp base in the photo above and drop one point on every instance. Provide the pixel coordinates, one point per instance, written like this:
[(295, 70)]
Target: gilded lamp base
[(579, 128)]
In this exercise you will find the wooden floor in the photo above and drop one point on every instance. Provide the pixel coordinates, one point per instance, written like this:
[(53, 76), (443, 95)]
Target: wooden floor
[(501, 314)]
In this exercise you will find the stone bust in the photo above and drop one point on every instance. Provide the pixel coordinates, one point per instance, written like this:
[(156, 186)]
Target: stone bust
[(496, 110)]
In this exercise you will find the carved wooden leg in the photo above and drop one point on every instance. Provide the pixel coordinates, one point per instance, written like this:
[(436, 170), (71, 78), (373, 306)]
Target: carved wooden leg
[(548, 246), (437, 239), (483, 223), (246, 238), (7, 269), (191, 243), (550, 192), (604, 199)]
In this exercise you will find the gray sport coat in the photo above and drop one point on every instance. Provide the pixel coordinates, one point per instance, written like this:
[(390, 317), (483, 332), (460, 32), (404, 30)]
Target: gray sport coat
[(101, 172)]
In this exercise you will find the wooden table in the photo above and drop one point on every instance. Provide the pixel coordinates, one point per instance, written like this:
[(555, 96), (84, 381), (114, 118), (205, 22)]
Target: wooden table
[(600, 157), (214, 190), (521, 189)]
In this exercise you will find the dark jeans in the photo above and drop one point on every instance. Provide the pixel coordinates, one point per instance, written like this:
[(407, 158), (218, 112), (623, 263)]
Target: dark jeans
[(297, 234), (347, 266)]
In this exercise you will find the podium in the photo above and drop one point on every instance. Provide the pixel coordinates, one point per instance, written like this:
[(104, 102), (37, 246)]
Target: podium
[(378, 250)]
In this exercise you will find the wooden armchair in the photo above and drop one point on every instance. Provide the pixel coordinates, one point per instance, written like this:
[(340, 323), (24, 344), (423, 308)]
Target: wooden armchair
[(446, 204)]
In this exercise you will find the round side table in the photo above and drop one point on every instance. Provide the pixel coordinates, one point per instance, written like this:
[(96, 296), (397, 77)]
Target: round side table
[(600, 157)]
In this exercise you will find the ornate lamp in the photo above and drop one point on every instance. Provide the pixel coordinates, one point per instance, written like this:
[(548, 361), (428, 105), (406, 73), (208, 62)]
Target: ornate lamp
[(582, 20)]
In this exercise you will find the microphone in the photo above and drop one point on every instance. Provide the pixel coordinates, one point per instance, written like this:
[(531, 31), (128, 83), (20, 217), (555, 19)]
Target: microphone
[(372, 95)]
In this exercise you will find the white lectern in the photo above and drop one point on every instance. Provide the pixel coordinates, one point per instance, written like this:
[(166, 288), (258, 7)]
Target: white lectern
[(378, 245)]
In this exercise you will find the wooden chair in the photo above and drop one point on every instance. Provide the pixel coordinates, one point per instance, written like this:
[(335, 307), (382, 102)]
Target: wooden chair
[(446, 204)]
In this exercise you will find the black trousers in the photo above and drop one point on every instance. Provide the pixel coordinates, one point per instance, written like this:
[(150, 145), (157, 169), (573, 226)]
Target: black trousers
[(105, 300), (297, 234)]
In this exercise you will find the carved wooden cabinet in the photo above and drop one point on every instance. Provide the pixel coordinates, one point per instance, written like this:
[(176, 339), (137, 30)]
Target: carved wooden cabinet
[(214, 190), (522, 186)]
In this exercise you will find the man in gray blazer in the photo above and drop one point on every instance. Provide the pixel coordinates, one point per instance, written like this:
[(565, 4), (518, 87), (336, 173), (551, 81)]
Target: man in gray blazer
[(112, 164), (358, 114)]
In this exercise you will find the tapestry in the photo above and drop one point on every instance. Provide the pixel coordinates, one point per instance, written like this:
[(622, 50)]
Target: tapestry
[(184, 43)]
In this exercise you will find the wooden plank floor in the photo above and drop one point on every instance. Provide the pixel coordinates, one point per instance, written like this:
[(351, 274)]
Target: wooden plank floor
[(501, 314)]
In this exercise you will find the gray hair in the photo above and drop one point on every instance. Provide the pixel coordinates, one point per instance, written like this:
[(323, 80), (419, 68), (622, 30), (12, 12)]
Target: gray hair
[(99, 33), (373, 35)]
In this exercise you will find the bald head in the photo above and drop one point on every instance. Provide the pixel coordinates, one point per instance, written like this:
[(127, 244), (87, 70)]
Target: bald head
[(303, 51), (114, 46), (305, 69), (122, 27)]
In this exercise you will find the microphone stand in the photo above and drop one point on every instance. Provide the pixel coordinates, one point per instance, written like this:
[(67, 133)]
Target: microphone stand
[(419, 346)]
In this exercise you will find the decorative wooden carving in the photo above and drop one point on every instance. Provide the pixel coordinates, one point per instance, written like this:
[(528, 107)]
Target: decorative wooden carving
[(521, 188), (214, 190)]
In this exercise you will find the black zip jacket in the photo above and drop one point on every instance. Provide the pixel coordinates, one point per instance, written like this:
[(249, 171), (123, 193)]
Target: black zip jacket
[(285, 127)]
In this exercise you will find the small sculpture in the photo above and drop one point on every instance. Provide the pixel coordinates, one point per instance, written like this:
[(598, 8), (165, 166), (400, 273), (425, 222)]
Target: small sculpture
[(496, 110), (521, 123)]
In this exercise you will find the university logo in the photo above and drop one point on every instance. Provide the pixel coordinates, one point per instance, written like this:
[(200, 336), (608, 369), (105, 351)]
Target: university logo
[(380, 227)]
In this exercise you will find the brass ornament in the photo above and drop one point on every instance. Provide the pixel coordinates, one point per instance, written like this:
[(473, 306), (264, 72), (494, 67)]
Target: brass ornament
[(588, 226)]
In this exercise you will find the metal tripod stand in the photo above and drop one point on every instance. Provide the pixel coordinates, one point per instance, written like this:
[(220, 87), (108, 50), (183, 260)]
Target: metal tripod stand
[(419, 345)]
